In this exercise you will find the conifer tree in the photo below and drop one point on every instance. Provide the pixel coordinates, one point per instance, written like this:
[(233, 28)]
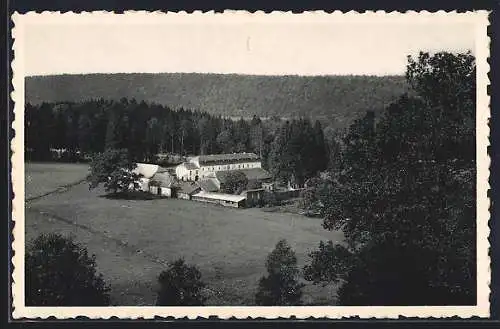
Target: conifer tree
[(281, 286)]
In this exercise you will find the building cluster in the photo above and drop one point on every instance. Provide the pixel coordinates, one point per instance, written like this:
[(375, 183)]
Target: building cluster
[(202, 178)]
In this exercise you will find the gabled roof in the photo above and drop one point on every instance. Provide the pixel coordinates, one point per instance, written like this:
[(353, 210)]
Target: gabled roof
[(164, 179), (227, 158), (147, 170)]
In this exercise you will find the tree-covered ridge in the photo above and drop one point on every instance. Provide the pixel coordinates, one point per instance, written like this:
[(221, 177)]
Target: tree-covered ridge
[(338, 99), (145, 130)]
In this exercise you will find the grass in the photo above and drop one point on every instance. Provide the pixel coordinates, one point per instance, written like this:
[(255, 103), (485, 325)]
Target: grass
[(43, 178), (134, 239)]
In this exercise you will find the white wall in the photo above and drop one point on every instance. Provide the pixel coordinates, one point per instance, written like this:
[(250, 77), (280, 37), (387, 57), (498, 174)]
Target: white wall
[(209, 170), (166, 191)]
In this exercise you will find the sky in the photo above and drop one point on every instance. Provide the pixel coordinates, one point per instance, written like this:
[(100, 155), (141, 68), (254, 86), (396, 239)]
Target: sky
[(236, 43)]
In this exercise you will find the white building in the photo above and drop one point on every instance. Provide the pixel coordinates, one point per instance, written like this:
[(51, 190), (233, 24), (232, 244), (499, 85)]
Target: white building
[(146, 171), (204, 166)]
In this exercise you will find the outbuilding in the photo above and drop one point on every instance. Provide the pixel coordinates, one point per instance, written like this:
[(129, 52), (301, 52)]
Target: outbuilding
[(162, 184), (227, 200)]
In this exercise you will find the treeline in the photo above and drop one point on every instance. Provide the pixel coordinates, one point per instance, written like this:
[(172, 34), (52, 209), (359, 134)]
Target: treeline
[(294, 149)]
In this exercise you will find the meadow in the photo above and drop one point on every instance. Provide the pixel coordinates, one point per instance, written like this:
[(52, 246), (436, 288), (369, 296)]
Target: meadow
[(134, 239)]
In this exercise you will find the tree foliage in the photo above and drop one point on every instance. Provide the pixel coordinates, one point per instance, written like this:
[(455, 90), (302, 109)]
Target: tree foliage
[(59, 272), (180, 285), (404, 194), (281, 285), (235, 182), (114, 169), (298, 151)]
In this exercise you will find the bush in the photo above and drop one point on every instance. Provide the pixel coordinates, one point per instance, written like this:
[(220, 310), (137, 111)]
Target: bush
[(281, 286), (60, 272), (269, 199), (180, 285)]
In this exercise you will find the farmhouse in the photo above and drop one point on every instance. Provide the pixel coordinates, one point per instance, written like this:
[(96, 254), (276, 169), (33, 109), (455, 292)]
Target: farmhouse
[(203, 166), (202, 177)]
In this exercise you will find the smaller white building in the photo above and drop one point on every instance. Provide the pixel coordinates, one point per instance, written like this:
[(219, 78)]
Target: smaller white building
[(162, 184), (146, 170)]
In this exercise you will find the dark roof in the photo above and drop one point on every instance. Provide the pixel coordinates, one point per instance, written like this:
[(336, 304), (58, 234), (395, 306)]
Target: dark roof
[(189, 166), (188, 188), (227, 158), (252, 174), (208, 185)]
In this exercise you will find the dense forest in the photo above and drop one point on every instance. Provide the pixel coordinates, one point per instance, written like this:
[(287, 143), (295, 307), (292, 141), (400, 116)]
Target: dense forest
[(336, 100), (292, 149)]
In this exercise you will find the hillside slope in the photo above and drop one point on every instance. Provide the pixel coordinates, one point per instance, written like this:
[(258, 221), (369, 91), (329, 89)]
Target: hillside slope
[(337, 98)]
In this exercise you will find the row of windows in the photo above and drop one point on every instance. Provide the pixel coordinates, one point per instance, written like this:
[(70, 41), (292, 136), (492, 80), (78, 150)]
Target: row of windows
[(224, 167), (227, 167)]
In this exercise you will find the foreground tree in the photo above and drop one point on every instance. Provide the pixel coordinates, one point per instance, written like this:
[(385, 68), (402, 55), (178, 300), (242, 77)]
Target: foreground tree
[(404, 196), (281, 285), (115, 170), (59, 272), (180, 285)]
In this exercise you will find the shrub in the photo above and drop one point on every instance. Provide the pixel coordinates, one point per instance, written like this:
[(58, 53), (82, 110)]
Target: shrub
[(59, 272), (180, 285)]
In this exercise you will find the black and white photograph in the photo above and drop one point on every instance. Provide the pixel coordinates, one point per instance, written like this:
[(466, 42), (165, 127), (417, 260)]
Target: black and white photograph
[(250, 165)]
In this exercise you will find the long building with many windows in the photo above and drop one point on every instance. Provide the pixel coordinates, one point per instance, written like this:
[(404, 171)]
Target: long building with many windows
[(204, 166)]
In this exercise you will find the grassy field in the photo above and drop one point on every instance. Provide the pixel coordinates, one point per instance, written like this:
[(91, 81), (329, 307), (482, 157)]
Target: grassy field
[(134, 239), (42, 178)]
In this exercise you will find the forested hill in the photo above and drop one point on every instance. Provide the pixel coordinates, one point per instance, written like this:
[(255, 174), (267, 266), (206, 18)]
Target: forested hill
[(337, 98)]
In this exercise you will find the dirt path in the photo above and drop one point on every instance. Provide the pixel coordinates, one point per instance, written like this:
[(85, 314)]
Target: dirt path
[(59, 189)]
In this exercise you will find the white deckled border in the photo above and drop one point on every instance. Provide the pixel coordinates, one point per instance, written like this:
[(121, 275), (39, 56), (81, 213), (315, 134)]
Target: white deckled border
[(480, 18)]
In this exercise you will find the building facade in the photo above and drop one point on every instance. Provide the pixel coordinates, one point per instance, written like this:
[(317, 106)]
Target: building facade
[(205, 166)]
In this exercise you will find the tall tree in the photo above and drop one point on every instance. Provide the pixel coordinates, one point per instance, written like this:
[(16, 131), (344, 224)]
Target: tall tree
[(404, 195), (115, 170)]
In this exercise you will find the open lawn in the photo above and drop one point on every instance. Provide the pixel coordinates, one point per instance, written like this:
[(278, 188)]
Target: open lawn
[(133, 240)]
